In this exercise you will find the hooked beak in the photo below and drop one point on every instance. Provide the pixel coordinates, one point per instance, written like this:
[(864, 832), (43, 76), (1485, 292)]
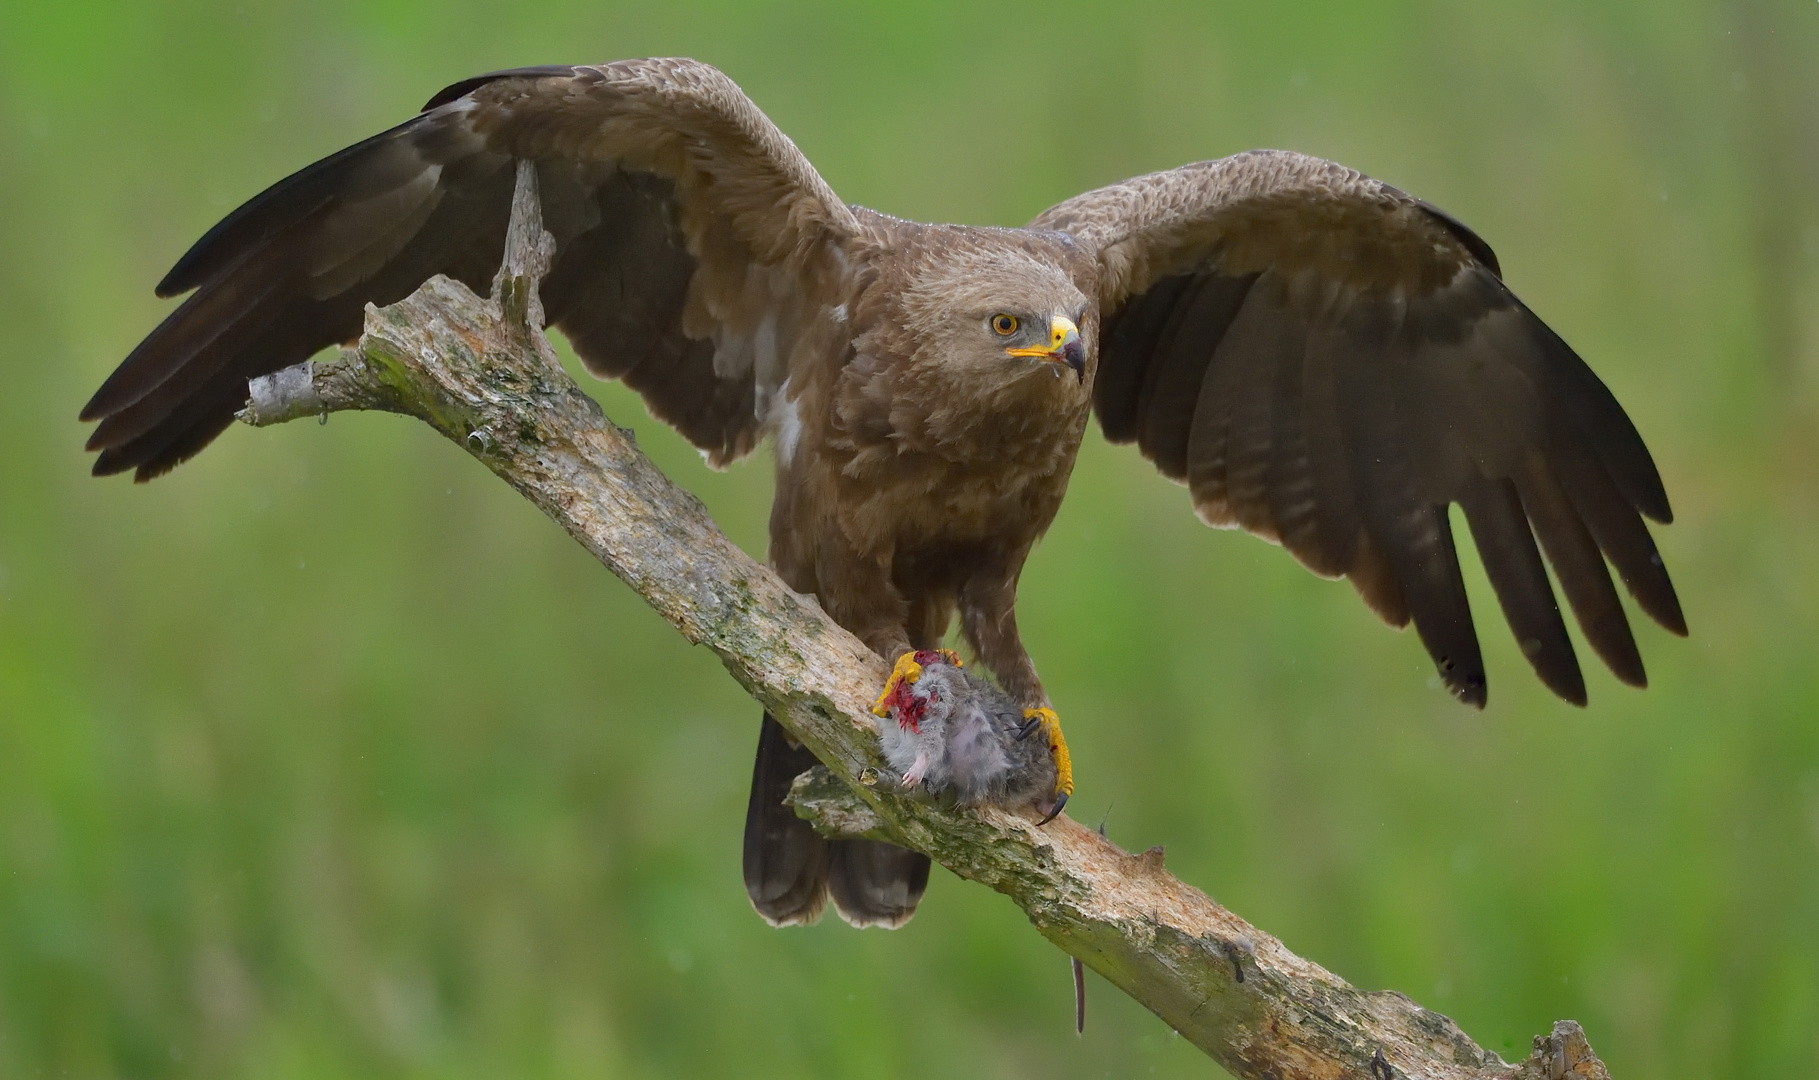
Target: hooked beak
[(1064, 346)]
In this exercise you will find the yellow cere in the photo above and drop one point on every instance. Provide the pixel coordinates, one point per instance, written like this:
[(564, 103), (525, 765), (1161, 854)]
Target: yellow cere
[(1059, 329)]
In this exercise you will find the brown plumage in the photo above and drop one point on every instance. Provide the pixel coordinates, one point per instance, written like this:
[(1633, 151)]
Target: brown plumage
[(1323, 360)]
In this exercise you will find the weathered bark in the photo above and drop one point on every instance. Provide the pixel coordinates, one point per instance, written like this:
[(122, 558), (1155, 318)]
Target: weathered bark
[(488, 379)]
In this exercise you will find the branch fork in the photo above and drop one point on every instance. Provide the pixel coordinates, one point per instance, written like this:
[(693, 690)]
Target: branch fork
[(482, 373)]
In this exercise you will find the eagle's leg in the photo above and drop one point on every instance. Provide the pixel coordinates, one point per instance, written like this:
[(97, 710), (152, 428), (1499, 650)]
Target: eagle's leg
[(988, 618), (860, 595)]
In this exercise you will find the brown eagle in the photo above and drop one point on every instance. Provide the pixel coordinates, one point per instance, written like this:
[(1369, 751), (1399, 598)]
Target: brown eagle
[(1323, 360)]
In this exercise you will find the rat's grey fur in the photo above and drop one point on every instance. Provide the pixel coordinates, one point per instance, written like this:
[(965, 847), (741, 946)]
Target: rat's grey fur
[(967, 743)]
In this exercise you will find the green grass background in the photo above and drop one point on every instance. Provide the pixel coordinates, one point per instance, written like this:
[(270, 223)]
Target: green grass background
[(329, 756)]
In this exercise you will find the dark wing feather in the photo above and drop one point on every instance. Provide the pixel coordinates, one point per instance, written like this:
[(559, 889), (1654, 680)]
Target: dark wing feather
[(1493, 510), (1329, 363), (668, 193), (1171, 385)]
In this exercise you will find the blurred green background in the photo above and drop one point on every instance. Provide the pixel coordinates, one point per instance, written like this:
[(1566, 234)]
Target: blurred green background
[(329, 756)]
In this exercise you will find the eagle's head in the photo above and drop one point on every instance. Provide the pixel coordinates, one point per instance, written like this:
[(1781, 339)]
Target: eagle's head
[(998, 313)]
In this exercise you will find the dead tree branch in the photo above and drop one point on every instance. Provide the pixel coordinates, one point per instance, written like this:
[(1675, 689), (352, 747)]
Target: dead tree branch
[(483, 375)]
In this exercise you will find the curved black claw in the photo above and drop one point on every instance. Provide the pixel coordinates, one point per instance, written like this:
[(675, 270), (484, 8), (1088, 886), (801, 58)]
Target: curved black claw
[(1029, 728), (1060, 801)]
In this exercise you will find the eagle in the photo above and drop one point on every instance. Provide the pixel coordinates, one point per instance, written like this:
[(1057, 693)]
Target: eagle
[(1321, 359)]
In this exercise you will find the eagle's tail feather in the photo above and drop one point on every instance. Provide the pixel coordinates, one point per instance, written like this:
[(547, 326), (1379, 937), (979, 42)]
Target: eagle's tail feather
[(874, 883), (790, 869), (786, 860)]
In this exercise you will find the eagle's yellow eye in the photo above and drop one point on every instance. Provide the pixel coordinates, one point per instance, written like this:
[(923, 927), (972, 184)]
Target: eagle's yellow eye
[(1005, 325)]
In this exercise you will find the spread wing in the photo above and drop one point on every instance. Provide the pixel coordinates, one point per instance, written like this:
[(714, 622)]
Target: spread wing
[(691, 236), (1328, 363)]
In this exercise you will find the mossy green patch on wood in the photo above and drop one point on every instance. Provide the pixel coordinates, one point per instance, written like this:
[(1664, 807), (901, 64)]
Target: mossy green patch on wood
[(390, 367)]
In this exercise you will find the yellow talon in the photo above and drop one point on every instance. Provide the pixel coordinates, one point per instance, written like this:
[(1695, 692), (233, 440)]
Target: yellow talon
[(906, 671), (1064, 765)]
